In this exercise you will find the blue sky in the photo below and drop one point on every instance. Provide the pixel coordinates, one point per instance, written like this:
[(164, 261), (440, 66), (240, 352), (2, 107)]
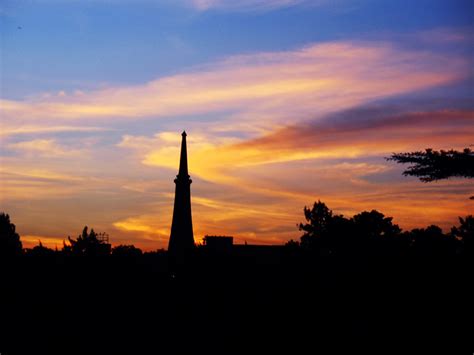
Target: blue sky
[(82, 44)]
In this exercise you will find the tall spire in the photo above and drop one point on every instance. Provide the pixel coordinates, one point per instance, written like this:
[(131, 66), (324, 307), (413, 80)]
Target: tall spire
[(183, 161), (181, 237)]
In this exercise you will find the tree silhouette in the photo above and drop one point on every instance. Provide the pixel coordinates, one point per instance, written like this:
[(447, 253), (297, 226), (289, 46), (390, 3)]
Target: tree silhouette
[(10, 243), (87, 244), (325, 229), (126, 251), (433, 165), (374, 225), (465, 232), (318, 218), (432, 240)]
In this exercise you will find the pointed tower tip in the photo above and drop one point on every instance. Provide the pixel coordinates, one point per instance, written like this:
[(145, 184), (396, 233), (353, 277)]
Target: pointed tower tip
[(183, 161)]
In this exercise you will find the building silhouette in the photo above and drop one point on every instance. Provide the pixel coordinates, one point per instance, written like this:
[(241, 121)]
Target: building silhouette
[(181, 237), (218, 244)]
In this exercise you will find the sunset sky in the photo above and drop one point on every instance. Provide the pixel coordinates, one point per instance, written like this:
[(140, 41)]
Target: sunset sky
[(285, 102)]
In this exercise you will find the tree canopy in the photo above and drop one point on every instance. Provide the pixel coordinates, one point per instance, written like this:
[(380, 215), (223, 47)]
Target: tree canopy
[(323, 228), (318, 219), (10, 243), (432, 165), (465, 232)]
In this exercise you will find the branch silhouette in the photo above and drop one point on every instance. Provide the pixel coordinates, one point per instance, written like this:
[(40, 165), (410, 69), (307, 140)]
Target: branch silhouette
[(432, 165)]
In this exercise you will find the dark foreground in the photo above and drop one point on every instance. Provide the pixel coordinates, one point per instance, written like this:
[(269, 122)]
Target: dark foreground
[(285, 301)]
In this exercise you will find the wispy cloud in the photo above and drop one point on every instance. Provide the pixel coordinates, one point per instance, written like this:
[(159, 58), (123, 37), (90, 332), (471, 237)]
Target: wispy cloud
[(18, 128), (270, 88), (260, 6), (223, 5), (373, 131), (248, 5), (349, 134), (44, 147)]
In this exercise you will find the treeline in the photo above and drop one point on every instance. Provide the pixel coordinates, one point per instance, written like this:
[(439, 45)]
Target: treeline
[(327, 232), (322, 232), (357, 284), (88, 243)]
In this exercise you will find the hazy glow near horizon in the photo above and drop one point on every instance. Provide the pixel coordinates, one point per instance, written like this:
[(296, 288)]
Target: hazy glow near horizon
[(285, 102)]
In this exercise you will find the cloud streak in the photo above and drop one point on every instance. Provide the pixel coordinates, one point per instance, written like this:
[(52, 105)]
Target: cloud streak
[(349, 134), (373, 131), (268, 87), (248, 5), (44, 147)]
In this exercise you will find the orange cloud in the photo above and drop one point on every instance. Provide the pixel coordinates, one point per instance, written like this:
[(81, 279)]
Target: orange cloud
[(38, 129), (152, 228), (365, 134), (45, 147), (270, 87), (358, 132)]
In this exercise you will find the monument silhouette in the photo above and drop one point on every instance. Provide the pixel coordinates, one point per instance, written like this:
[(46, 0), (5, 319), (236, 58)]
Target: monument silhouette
[(181, 237)]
